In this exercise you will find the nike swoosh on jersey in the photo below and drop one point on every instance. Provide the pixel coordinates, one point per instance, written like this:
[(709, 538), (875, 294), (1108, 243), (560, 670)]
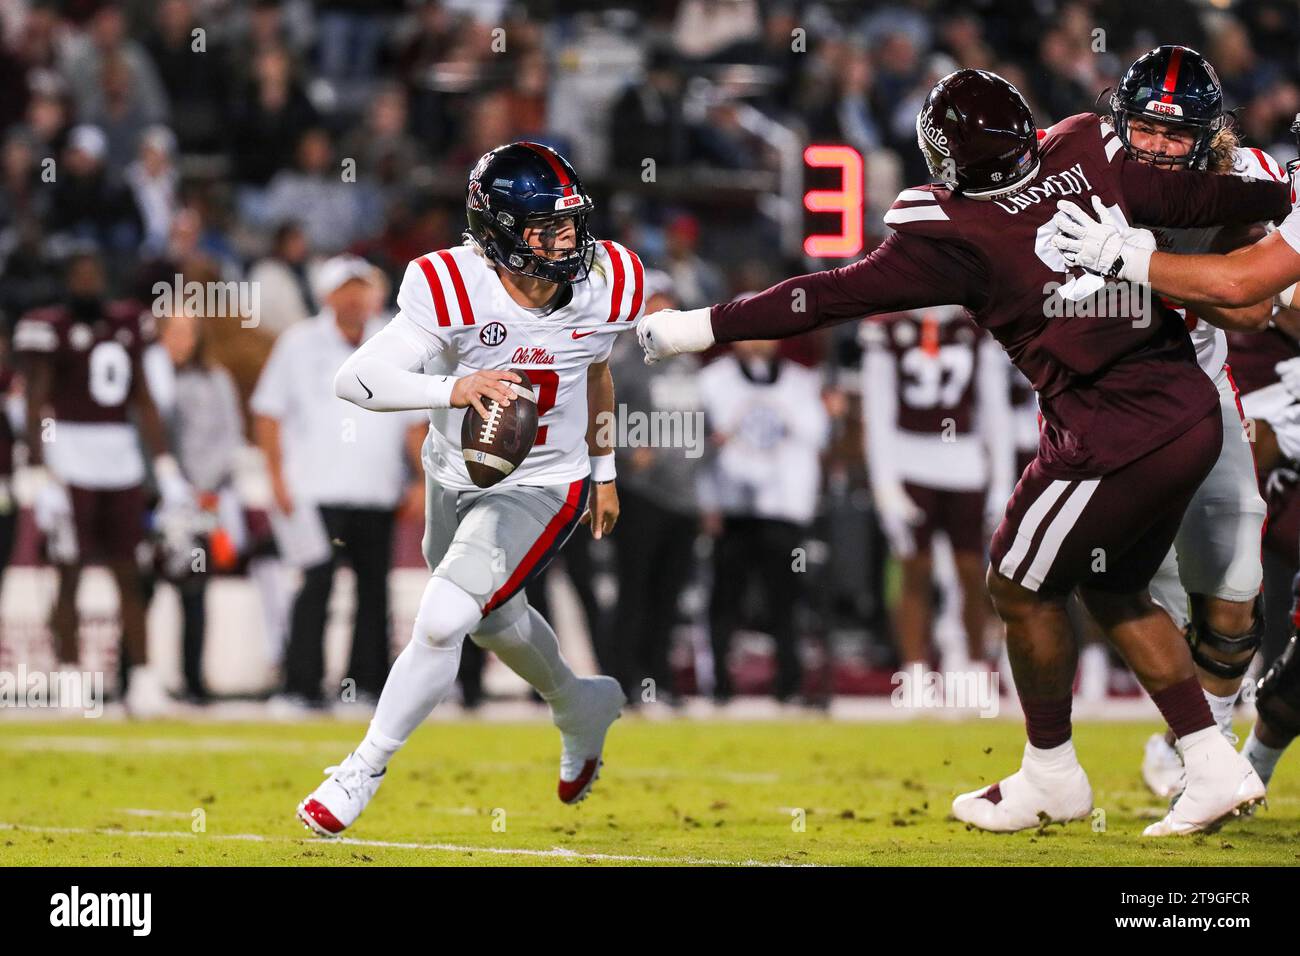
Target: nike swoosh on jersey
[(369, 393), (583, 335)]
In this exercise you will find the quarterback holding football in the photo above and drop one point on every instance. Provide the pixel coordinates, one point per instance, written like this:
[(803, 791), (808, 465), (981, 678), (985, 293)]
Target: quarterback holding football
[(529, 290)]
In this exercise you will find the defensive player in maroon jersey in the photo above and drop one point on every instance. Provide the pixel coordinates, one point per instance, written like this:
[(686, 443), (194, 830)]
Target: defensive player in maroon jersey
[(1131, 425), (84, 383)]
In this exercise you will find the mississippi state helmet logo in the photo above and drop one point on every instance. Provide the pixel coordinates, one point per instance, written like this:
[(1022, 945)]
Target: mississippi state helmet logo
[(494, 333)]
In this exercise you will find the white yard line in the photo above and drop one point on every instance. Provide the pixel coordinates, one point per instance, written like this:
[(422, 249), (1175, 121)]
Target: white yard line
[(553, 853)]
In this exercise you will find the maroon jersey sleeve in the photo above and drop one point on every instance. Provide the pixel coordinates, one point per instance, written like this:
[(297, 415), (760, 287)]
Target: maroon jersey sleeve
[(1162, 197), (904, 272)]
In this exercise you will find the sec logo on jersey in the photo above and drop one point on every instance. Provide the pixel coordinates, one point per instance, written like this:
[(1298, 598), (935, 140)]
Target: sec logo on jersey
[(494, 333)]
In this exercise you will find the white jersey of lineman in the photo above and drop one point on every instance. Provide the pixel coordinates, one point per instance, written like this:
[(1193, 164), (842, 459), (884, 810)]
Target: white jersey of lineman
[(1211, 344), (456, 297), (1217, 551)]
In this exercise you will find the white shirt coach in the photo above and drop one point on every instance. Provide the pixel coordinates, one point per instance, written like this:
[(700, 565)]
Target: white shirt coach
[(334, 453)]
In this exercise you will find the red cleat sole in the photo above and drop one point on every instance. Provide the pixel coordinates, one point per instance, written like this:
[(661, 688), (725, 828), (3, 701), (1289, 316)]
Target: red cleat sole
[(576, 790), (318, 819)]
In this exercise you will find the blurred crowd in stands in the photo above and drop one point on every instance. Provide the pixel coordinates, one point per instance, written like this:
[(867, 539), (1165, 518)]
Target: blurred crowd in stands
[(256, 139)]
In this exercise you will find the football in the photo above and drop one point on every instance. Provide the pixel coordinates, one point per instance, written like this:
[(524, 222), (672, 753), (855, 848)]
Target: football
[(496, 446)]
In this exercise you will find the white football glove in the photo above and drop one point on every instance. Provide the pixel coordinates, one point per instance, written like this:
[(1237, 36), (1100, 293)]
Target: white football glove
[(1288, 374), (669, 332), (898, 516), (52, 512), (174, 490), (1116, 252)]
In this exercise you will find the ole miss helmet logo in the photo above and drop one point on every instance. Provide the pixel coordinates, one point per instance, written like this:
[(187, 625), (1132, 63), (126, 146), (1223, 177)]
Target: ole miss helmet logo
[(494, 333)]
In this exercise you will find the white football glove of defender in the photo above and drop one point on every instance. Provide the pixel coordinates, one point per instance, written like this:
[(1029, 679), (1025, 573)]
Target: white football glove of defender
[(898, 516), (669, 332), (1116, 252)]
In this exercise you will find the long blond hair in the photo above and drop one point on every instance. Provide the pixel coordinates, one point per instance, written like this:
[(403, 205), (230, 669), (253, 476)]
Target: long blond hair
[(1223, 150)]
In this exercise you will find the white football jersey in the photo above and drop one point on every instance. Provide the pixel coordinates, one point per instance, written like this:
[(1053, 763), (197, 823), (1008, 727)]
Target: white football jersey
[(1210, 341), (456, 297)]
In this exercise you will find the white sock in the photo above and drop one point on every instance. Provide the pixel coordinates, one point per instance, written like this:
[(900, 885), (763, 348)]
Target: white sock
[(1221, 709), (423, 673), (1060, 755), (1261, 756), (530, 648)]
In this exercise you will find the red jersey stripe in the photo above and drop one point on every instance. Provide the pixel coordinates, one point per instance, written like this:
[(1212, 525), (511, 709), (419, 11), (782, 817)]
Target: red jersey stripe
[(572, 502), (638, 284), (616, 262), (435, 286), (458, 283), (1263, 161)]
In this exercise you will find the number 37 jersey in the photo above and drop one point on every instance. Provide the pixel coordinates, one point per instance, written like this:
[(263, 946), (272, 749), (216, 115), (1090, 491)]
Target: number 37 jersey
[(456, 297)]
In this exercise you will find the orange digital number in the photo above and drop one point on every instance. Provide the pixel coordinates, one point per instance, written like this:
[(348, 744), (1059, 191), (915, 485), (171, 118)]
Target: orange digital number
[(847, 201)]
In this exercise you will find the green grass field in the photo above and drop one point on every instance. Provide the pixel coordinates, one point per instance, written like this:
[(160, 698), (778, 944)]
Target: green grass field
[(102, 793)]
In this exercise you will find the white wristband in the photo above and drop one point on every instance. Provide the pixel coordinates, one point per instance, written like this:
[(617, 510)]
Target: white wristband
[(602, 468), (440, 387), (1287, 296), (1137, 263)]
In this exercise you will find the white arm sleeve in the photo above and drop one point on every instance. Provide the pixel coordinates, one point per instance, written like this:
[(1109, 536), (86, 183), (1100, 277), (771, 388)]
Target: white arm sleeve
[(381, 375), (993, 407)]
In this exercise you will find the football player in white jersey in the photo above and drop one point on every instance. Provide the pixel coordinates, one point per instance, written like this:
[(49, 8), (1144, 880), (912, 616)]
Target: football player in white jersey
[(1237, 280), (1168, 111), (529, 289)]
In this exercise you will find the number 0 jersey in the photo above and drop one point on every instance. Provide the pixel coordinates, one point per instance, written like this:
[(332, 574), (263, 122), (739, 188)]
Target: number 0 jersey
[(456, 297), (94, 444)]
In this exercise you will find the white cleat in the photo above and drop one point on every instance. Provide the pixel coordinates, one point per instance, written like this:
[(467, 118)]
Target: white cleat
[(1162, 768), (583, 723), (145, 697), (1049, 787), (1221, 784), (335, 804)]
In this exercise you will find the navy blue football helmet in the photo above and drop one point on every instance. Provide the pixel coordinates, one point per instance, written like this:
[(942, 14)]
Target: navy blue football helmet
[(526, 185), (1176, 85)]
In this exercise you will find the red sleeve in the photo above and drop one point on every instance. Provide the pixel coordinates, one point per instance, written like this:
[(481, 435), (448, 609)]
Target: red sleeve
[(1188, 198), (904, 272)]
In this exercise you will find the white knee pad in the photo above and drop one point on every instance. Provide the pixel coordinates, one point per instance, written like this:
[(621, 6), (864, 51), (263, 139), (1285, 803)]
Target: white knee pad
[(447, 613)]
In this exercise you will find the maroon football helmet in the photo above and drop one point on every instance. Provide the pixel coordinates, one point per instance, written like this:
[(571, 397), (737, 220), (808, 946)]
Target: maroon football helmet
[(977, 134)]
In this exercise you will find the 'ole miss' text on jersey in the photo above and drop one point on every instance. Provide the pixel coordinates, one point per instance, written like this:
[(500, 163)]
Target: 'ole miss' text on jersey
[(1111, 389), (456, 297)]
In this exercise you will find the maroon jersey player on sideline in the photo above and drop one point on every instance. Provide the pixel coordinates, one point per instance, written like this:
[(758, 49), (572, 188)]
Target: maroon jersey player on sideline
[(940, 454), (1130, 422), (84, 382)]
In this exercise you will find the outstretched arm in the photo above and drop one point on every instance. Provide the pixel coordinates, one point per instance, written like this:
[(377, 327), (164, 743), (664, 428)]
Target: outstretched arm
[(1232, 241), (1263, 270), (905, 272), (1187, 198), (1258, 272)]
